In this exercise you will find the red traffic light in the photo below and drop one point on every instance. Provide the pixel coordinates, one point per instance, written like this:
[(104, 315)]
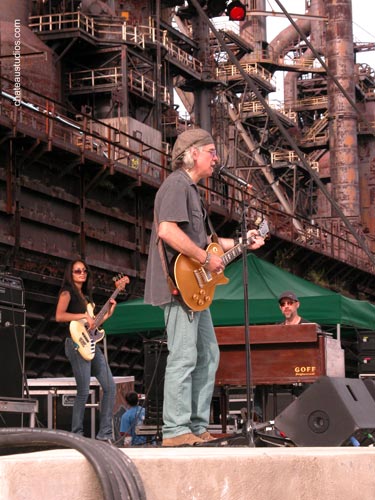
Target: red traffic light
[(236, 11)]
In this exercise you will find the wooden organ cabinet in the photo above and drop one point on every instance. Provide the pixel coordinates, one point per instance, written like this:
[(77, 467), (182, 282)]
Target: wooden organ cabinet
[(280, 355)]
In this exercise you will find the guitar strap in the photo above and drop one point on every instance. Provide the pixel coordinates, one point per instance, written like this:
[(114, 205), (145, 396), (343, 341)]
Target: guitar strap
[(164, 262), (214, 236)]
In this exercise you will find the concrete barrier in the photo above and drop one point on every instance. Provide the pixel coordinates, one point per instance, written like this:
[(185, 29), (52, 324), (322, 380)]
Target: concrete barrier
[(232, 473)]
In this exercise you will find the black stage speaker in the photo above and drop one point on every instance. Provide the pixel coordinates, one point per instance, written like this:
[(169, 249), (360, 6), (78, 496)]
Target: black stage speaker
[(331, 412), (156, 353), (12, 351), (12, 359), (370, 384)]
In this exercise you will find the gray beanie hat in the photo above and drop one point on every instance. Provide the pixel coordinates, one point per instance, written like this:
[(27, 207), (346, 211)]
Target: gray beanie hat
[(192, 137)]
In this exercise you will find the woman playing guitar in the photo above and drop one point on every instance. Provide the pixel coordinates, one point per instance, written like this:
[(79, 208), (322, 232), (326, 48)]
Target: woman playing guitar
[(74, 303)]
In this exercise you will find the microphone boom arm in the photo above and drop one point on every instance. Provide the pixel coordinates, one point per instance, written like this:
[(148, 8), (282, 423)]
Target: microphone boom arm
[(225, 172)]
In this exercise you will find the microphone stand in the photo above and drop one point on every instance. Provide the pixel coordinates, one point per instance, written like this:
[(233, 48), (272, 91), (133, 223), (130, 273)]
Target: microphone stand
[(248, 427), (248, 430)]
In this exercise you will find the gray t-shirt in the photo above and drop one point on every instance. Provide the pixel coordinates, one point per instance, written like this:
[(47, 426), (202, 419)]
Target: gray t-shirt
[(177, 200)]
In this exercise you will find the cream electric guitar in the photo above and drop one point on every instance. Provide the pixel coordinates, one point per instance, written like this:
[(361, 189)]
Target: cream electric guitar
[(85, 338), (196, 285)]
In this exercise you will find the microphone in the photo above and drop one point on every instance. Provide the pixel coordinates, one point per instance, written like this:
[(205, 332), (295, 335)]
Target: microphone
[(8, 324), (223, 171)]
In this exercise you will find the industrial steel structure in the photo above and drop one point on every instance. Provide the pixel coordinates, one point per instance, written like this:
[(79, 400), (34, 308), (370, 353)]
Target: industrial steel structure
[(89, 113)]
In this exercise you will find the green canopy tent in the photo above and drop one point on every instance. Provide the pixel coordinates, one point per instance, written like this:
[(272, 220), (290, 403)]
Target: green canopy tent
[(266, 282)]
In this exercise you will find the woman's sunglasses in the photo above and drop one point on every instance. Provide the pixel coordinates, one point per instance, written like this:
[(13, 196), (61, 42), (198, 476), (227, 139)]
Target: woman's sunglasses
[(80, 271)]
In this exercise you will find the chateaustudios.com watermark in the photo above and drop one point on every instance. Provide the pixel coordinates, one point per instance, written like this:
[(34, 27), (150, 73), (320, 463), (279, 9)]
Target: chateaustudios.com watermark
[(17, 63)]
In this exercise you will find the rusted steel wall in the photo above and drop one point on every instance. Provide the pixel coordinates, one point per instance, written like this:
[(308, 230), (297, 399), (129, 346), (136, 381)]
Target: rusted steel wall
[(15, 9)]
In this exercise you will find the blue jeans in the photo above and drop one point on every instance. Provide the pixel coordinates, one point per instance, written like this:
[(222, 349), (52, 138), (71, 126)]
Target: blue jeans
[(82, 371), (190, 373)]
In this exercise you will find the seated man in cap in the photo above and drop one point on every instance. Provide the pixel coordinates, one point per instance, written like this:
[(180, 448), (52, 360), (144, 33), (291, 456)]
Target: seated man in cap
[(289, 304), (180, 227)]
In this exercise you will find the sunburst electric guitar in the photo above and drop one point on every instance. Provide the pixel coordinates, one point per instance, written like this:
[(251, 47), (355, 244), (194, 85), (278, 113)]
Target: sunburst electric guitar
[(84, 337), (196, 285)]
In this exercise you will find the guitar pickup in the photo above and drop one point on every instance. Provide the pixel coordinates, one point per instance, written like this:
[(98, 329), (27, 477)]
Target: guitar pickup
[(202, 276)]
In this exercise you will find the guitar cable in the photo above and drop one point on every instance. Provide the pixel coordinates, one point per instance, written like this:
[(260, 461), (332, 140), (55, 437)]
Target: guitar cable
[(117, 474)]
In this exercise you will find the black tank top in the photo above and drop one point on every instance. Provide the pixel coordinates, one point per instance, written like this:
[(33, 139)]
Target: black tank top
[(76, 304)]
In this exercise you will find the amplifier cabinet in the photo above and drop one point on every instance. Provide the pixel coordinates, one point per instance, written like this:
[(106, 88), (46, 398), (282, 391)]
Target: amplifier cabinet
[(12, 291), (366, 342), (156, 353)]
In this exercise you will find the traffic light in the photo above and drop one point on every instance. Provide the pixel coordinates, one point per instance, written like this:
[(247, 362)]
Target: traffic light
[(236, 11)]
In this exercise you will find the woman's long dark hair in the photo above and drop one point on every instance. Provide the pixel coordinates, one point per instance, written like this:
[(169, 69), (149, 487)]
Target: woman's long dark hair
[(69, 283)]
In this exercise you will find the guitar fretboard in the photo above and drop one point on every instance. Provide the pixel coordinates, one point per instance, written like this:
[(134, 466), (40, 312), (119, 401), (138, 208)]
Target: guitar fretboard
[(234, 252), (103, 311)]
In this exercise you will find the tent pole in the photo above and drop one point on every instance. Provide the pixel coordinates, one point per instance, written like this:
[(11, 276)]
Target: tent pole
[(338, 331)]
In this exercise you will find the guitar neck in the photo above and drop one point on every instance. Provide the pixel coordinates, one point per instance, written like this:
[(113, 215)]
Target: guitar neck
[(234, 252), (103, 311), (231, 254)]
